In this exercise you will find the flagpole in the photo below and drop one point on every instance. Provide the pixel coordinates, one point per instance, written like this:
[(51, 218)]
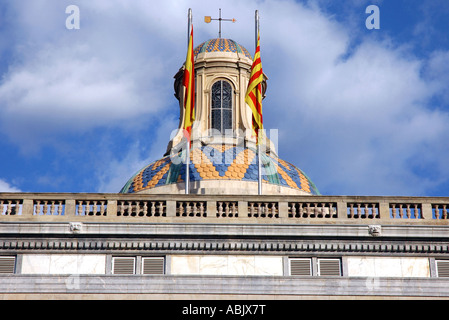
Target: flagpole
[(259, 160), (189, 27)]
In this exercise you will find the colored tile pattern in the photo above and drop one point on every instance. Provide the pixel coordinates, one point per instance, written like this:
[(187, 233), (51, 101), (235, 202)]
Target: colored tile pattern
[(220, 162), (221, 45)]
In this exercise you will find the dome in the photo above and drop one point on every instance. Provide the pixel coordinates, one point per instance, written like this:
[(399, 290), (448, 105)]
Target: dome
[(220, 163), (221, 45)]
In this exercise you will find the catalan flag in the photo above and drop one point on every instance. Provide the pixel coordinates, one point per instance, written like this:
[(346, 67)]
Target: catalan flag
[(253, 95), (189, 84)]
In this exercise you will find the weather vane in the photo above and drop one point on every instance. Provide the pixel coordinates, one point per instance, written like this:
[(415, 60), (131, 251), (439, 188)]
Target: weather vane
[(208, 19)]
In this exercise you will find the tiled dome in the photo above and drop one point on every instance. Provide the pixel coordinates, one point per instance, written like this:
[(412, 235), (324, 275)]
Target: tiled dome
[(220, 162), (221, 45)]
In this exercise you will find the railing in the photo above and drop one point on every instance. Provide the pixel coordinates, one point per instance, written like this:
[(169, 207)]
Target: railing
[(223, 208)]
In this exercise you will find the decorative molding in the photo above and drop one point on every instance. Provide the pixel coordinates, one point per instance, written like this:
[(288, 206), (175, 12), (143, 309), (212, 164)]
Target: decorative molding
[(375, 230), (206, 228), (76, 227), (222, 246), (197, 287)]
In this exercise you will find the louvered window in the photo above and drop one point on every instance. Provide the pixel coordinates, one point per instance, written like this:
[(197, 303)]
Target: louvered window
[(329, 267), (153, 265), (7, 264), (300, 267), (123, 265), (442, 268)]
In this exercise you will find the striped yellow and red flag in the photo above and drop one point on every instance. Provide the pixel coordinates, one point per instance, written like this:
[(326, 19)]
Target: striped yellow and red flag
[(189, 84), (253, 95)]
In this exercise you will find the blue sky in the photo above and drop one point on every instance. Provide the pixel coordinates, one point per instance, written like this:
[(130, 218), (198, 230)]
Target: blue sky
[(362, 112)]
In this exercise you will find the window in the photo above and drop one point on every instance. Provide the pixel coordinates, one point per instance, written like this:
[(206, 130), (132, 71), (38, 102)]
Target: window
[(314, 267), (123, 265), (7, 264), (300, 267), (153, 265), (138, 265), (221, 110), (329, 267), (442, 267)]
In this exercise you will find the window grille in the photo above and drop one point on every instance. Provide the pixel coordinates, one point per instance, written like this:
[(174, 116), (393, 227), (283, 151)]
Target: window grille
[(153, 265), (442, 267), (300, 267), (123, 265), (315, 267), (329, 267), (7, 264)]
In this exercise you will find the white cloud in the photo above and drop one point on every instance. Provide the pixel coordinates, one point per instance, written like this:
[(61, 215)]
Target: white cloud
[(6, 187), (104, 75), (356, 119), (113, 174)]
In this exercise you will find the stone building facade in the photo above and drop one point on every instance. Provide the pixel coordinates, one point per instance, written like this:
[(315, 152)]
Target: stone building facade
[(222, 240)]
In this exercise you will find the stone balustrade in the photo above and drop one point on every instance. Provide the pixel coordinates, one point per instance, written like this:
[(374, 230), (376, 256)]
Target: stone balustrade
[(46, 207)]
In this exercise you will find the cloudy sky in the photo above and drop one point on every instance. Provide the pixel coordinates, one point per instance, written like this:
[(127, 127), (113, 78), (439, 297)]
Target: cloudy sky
[(362, 112)]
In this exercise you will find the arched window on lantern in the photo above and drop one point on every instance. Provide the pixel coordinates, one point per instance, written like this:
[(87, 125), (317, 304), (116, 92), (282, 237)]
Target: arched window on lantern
[(221, 106)]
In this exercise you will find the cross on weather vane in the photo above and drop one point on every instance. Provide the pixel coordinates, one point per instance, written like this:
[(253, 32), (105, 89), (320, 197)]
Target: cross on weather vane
[(208, 19)]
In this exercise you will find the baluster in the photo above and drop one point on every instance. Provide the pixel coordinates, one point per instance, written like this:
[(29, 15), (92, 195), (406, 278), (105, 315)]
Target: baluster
[(2, 207), (130, 209), (52, 208), (351, 211), (138, 209), (80, 208), (87, 209), (408, 211), (317, 210), (265, 211), (60, 208), (195, 209), (274, 210), (45, 208), (401, 213), (259, 210), (331, 210), (161, 209), (122, 209), (102, 211), (251, 209), (227, 209), (9, 208), (202, 213), (291, 209), (220, 209), (300, 211), (94, 208), (417, 215), (358, 211), (307, 212), (366, 209), (37, 207), (437, 211), (322, 210), (393, 210), (444, 211), (234, 210), (188, 209)]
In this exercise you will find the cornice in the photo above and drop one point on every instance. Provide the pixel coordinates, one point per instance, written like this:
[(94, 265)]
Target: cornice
[(216, 230)]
